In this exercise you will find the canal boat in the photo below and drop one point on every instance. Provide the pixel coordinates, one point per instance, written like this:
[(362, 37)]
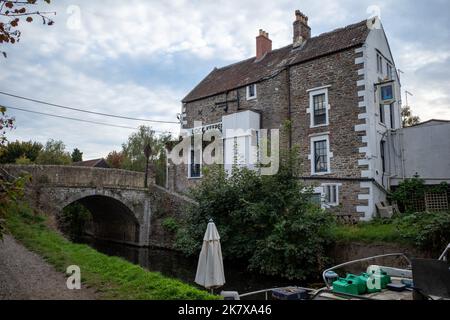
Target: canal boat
[(420, 279)]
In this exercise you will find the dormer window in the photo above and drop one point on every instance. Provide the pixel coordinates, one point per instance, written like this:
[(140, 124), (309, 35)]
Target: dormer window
[(251, 92)]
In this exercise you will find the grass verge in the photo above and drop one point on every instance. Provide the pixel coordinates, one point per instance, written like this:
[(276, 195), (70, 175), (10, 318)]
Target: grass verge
[(369, 232), (114, 278)]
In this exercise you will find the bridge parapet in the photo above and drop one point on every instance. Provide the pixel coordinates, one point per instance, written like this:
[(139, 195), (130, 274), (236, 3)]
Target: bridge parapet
[(72, 176)]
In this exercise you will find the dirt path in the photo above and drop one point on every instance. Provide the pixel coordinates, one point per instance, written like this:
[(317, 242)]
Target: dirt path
[(26, 276)]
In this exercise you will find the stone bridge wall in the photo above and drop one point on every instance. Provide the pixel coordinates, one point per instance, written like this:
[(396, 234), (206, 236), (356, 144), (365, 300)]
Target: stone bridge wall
[(110, 193), (72, 176)]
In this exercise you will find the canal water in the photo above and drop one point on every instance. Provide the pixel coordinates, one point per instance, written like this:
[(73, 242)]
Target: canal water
[(175, 265)]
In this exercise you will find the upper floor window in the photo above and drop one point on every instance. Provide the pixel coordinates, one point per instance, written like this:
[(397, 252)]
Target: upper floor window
[(382, 113), (379, 63), (389, 70), (251, 92), (319, 107), (320, 155), (195, 161), (392, 115)]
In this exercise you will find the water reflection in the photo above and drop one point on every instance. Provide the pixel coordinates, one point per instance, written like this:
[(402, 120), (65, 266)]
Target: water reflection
[(175, 265)]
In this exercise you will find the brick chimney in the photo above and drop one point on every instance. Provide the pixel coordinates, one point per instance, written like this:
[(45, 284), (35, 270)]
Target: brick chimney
[(263, 44), (302, 31)]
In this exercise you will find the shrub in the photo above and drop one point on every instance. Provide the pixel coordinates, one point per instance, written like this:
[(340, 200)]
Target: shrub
[(429, 231), (266, 221), (170, 224)]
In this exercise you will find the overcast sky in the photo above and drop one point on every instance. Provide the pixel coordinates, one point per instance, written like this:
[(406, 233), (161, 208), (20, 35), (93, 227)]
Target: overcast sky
[(140, 58)]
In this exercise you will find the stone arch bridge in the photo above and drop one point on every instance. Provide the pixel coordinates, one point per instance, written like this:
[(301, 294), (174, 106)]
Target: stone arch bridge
[(120, 205)]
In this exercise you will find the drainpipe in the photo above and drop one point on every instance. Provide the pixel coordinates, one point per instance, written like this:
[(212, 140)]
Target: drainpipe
[(288, 80)]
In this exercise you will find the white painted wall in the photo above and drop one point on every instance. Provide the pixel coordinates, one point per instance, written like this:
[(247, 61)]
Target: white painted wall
[(375, 130), (239, 139), (426, 151)]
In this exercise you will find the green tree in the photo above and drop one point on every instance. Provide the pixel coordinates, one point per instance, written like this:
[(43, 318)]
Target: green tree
[(54, 154), (20, 149), (269, 222), (408, 119), (77, 155), (133, 150), (133, 157)]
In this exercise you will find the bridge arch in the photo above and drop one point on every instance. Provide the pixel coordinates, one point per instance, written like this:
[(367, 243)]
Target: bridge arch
[(113, 217)]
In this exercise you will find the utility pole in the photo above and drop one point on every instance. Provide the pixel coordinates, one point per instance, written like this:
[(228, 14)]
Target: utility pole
[(147, 153), (399, 73), (407, 93)]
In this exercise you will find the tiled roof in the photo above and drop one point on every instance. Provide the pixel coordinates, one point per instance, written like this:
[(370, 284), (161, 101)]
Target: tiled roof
[(250, 71), (90, 163)]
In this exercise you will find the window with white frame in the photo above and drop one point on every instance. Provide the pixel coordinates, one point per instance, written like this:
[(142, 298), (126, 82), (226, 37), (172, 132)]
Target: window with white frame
[(331, 194), (320, 155), (319, 107), (195, 161), (251, 92), (382, 113)]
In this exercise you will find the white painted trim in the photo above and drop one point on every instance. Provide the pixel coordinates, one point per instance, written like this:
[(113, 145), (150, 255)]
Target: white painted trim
[(366, 210), (359, 60), (319, 134), (248, 92), (360, 83), (363, 162), (310, 110), (361, 127), (318, 88), (329, 154), (338, 189)]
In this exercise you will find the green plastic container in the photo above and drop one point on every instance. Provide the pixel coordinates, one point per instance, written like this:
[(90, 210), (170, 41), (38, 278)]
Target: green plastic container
[(367, 279), (384, 278), (359, 281), (345, 286), (381, 277)]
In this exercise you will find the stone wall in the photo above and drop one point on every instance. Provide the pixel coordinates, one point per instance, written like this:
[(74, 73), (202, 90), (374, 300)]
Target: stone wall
[(340, 73), (166, 205), (345, 252), (79, 176)]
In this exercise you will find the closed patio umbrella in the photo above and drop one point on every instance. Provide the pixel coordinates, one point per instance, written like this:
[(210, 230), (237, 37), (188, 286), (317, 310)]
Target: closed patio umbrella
[(210, 264)]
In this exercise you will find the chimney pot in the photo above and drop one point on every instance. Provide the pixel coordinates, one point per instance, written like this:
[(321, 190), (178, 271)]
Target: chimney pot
[(302, 31)]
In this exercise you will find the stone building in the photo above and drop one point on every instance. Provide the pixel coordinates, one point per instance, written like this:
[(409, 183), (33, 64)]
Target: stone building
[(323, 94)]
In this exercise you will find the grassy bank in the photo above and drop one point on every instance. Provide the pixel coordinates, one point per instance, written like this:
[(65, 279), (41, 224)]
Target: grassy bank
[(114, 278), (368, 232)]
